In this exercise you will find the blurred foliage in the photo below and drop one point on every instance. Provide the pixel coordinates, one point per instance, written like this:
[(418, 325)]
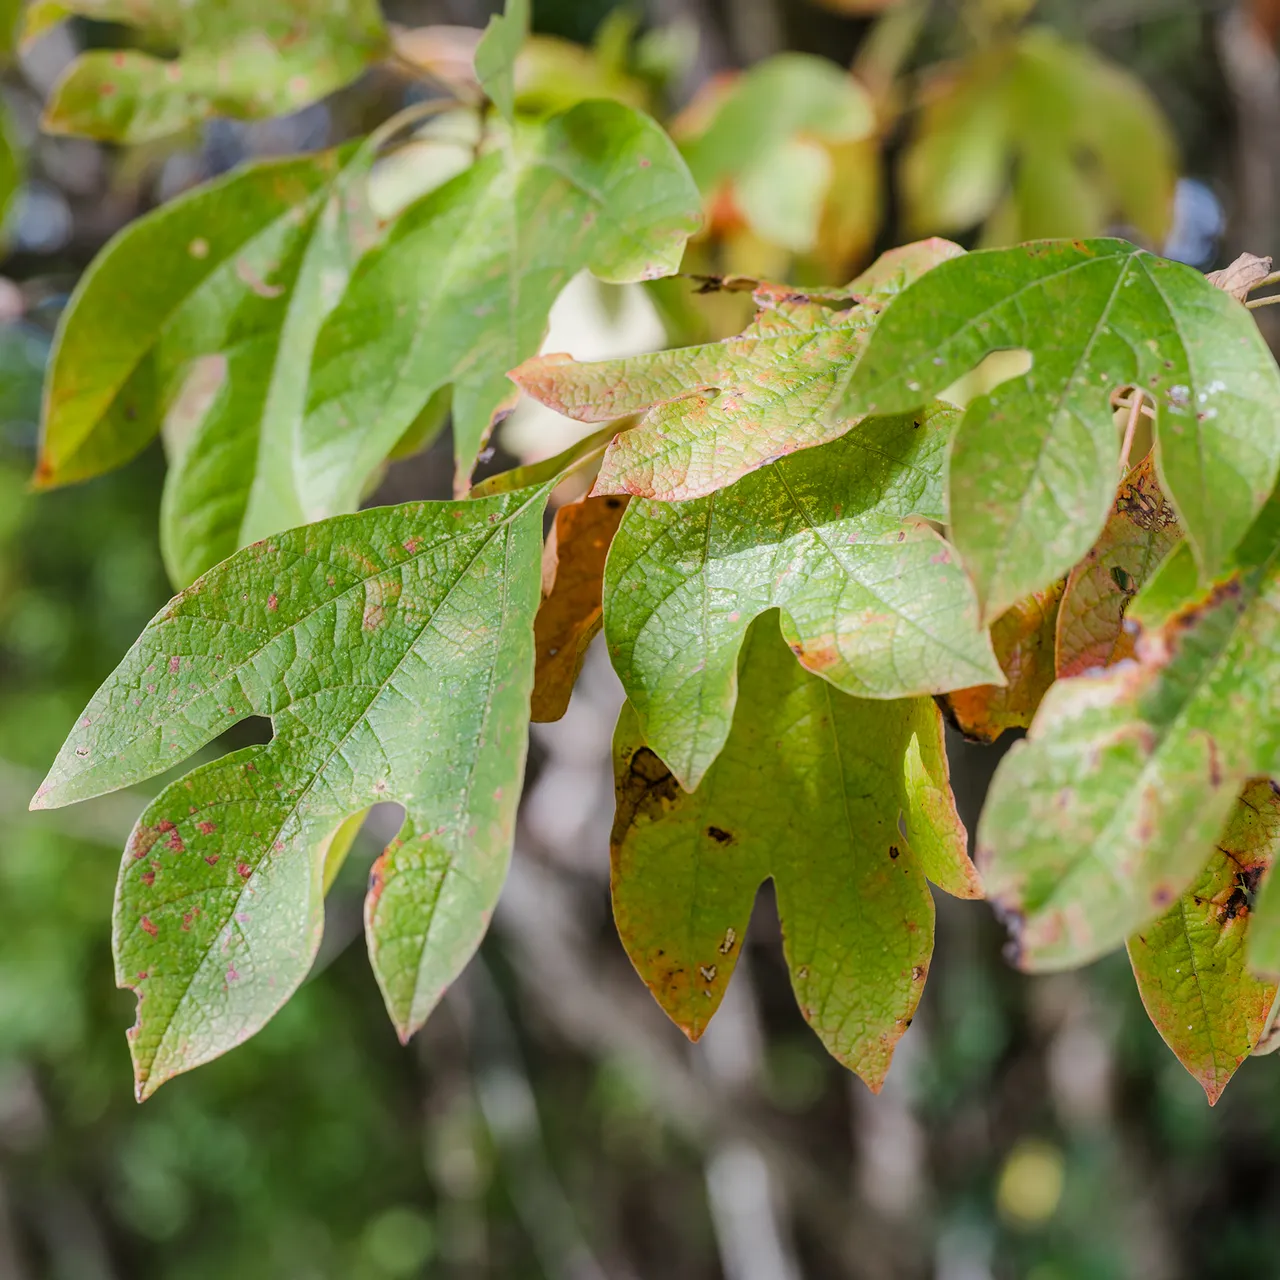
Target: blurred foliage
[(1035, 1128)]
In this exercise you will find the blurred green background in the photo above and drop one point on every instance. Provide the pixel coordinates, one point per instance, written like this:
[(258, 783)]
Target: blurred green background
[(549, 1122)]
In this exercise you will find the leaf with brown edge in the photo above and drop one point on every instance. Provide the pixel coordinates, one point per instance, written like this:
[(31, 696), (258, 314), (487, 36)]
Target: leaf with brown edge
[(1023, 638), (393, 652), (1190, 964), (1098, 821), (718, 411), (816, 790), (1141, 532), (571, 612)]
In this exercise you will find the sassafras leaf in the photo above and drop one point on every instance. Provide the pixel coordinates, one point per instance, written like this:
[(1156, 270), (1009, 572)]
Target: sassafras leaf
[(460, 290), (871, 596), (1190, 963), (719, 411), (1033, 469), (1096, 823), (244, 58), (814, 790), (393, 652), (1139, 534)]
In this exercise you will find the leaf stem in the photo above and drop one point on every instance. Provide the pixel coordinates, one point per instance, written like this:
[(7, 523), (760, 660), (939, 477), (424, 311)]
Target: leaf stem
[(1130, 428), (1254, 303)]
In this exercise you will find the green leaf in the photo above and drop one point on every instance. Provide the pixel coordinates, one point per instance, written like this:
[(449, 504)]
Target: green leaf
[(243, 58), (1099, 820), (393, 651), (495, 58), (1190, 963), (200, 318), (813, 789), (1023, 639), (460, 290), (12, 166), (871, 598), (1140, 533), (1033, 468), (719, 411), (1038, 137)]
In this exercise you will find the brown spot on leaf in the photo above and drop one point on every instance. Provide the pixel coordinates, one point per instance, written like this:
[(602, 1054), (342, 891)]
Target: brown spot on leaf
[(719, 835), (147, 926)]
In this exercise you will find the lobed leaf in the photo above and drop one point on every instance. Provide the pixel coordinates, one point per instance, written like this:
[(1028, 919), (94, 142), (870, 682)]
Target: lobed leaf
[(814, 790), (572, 612), (1141, 531), (393, 652), (871, 599), (468, 276), (1190, 963), (1097, 822), (1031, 473), (1037, 137), (243, 58), (719, 411), (1023, 640)]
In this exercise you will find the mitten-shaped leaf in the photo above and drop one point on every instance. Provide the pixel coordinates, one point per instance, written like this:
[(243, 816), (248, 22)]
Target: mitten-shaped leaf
[(459, 292), (1191, 962), (871, 598), (1032, 471), (718, 411), (1023, 640), (1140, 532), (200, 318), (393, 651), (1098, 821), (245, 58), (813, 789)]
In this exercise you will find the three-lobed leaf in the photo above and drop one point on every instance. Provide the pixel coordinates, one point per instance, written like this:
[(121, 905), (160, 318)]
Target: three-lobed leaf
[(818, 791), (1032, 472), (393, 652), (243, 58), (718, 411), (836, 537)]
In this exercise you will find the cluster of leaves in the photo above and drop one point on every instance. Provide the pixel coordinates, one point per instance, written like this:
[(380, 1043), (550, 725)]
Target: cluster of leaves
[(797, 538)]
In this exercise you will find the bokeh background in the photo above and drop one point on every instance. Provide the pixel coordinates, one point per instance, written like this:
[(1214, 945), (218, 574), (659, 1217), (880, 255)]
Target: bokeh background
[(549, 1122)]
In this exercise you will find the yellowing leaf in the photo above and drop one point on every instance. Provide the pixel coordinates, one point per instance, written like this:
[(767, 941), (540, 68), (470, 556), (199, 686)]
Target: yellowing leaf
[(1097, 822), (245, 58), (719, 411), (393, 651), (1142, 530), (1038, 137), (812, 789), (1190, 963), (1023, 640)]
